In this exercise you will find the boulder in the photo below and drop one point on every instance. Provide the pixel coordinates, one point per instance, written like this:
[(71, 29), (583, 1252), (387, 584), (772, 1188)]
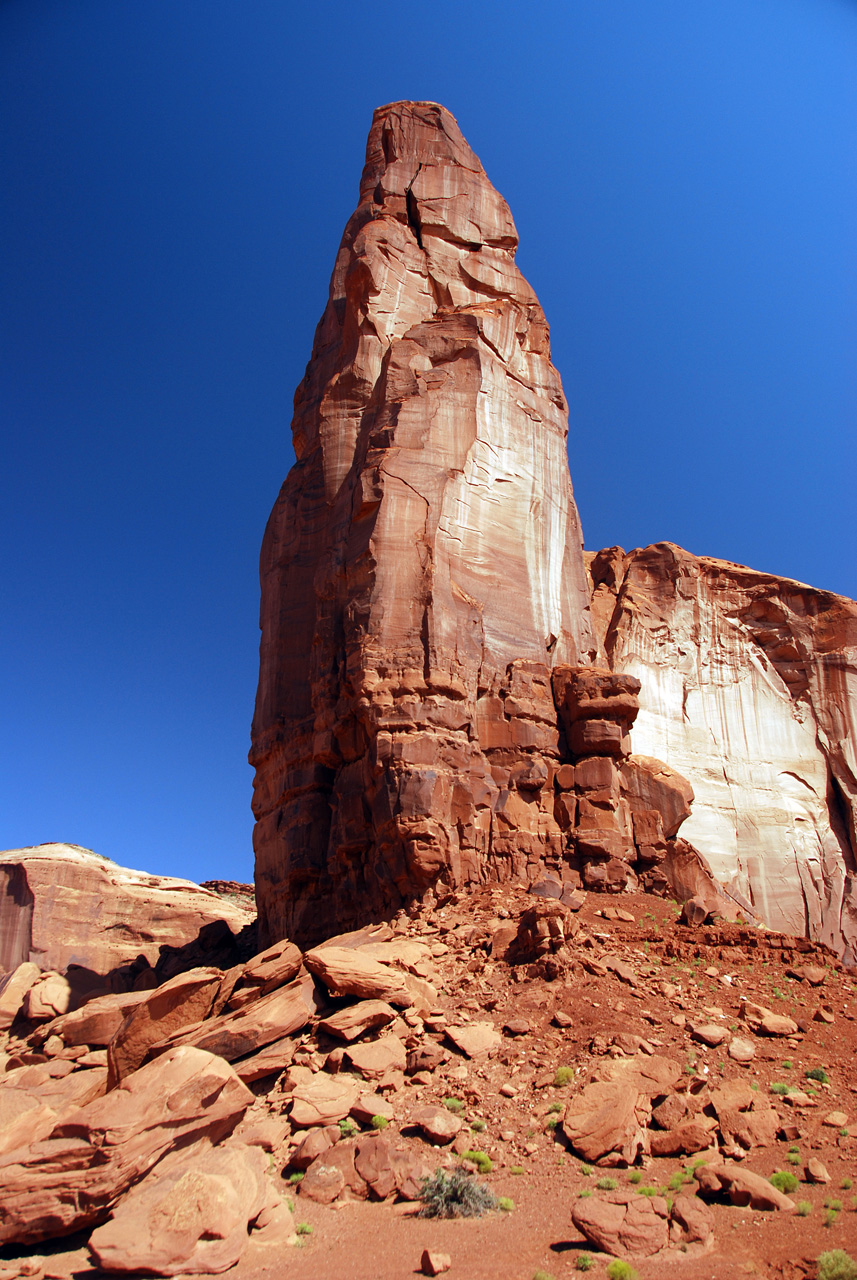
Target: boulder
[(184, 999), (92, 1156), (767, 1023), (323, 1100), (13, 988), (348, 973), (691, 1221), (742, 1186), (190, 1216), (99, 1019), (475, 1039), (437, 1123), (623, 1223), (354, 1021), (684, 1139), (266, 1020), (48, 997)]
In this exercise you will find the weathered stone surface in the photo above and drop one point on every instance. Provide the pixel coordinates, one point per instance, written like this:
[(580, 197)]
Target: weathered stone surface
[(349, 973), (742, 1186), (324, 1099), (61, 905), (92, 1156), (607, 1118), (767, 1023), (13, 989), (353, 1022), (375, 1058), (749, 690), (99, 1019), (184, 999), (188, 1217), (623, 1223), (475, 1038), (422, 569), (437, 1123), (235, 1035), (691, 1221), (48, 998)]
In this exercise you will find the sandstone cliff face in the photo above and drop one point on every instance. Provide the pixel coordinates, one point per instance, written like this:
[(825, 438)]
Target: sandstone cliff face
[(422, 570), (749, 689), (61, 905)]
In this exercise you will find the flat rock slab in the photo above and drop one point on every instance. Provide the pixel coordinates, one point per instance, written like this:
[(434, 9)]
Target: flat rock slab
[(475, 1038), (324, 1099), (357, 1019), (347, 972), (438, 1124), (374, 1058)]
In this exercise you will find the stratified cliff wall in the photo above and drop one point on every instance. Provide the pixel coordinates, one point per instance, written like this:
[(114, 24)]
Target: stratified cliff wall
[(422, 570), (749, 690)]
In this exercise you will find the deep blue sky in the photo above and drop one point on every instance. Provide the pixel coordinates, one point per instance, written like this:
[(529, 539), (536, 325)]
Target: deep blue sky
[(174, 180)]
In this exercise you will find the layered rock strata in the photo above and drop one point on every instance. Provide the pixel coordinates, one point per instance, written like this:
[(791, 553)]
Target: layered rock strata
[(422, 570), (749, 689)]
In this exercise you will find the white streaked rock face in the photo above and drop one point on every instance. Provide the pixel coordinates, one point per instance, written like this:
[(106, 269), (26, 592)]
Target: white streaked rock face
[(422, 570), (749, 689)]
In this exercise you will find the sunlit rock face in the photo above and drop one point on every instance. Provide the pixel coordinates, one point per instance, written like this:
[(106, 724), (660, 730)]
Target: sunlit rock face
[(422, 570), (748, 689)]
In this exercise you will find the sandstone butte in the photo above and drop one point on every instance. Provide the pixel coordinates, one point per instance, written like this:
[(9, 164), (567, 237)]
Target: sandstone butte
[(439, 705)]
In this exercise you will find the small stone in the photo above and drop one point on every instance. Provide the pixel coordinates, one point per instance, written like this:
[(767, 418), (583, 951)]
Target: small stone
[(710, 1034), (741, 1050), (437, 1124), (836, 1120), (815, 1171), (434, 1264), (517, 1027), (508, 1090), (562, 1019), (475, 1040), (823, 1014)]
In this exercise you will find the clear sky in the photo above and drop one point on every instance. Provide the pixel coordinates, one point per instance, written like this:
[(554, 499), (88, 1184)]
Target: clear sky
[(174, 180)]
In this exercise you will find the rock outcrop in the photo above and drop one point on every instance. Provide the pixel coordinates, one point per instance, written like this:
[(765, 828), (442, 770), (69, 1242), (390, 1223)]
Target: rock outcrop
[(748, 689), (422, 570), (63, 906)]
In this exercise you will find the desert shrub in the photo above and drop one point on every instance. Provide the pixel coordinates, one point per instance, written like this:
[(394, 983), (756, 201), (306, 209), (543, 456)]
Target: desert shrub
[(478, 1126), (780, 1089), (517, 1170), (793, 1157), (584, 1195), (455, 1195), (379, 1122), (846, 1184), (505, 1204), (830, 1216), (564, 1076), (295, 1178), (453, 1104), (804, 1209), (303, 1229), (584, 1262), (347, 1127), (783, 1181), (819, 1074), (542, 1275), (649, 1191), (619, 1270), (586, 1170), (554, 1107), (606, 1184), (635, 1176), (836, 1264), (483, 1163)]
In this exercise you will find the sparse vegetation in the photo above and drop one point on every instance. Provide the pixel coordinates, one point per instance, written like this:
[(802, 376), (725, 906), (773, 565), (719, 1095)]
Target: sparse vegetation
[(453, 1104), (542, 1275), (793, 1157), (379, 1122), (635, 1176), (478, 1126), (303, 1229), (563, 1077), (295, 1178), (804, 1209), (483, 1163), (783, 1181), (584, 1262), (517, 1170), (586, 1170), (347, 1127), (554, 1107), (606, 1184), (505, 1204), (836, 1264), (846, 1184), (455, 1195), (781, 1089), (819, 1074), (619, 1270)]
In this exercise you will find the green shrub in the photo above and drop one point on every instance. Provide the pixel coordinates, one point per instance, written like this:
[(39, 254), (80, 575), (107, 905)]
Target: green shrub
[(453, 1104), (781, 1089), (478, 1126), (793, 1157), (517, 1170), (586, 1170), (295, 1178), (379, 1122), (649, 1191), (584, 1195), (584, 1262), (804, 1209), (783, 1181), (347, 1127), (542, 1275), (553, 1122), (830, 1216), (606, 1184), (836, 1265), (564, 1076), (788, 1066), (819, 1074), (554, 1107), (303, 1229), (619, 1270), (505, 1204), (456, 1195), (846, 1184), (483, 1163), (635, 1176)]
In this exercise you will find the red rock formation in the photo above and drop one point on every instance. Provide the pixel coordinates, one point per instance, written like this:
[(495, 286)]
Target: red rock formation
[(749, 689), (422, 570)]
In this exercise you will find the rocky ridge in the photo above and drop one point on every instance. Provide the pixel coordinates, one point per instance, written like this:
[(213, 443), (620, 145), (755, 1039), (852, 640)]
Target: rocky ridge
[(554, 1050)]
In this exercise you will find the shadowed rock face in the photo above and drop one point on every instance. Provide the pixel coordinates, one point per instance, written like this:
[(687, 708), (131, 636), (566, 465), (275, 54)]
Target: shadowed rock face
[(422, 570), (749, 689)]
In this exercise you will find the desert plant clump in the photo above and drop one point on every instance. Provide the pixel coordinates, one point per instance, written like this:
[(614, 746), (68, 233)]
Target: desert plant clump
[(783, 1181), (483, 1163), (819, 1074), (781, 1089), (619, 1270), (564, 1076), (635, 1176), (379, 1122), (505, 1204), (347, 1127), (542, 1275), (478, 1126), (303, 1229), (793, 1157), (584, 1262), (804, 1209), (453, 1104), (836, 1264), (606, 1184), (455, 1195)]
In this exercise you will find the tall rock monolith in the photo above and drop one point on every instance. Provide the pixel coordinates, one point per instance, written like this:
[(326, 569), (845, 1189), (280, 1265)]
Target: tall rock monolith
[(422, 570)]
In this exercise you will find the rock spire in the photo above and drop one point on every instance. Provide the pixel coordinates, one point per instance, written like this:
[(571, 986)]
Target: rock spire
[(422, 570)]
